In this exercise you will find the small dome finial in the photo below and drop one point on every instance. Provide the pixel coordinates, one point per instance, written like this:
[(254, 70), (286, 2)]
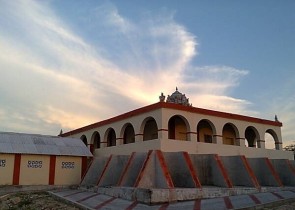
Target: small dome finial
[(176, 89)]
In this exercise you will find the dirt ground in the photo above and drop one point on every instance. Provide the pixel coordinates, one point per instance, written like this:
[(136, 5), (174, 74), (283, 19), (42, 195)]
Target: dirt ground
[(283, 207), (33, 201)]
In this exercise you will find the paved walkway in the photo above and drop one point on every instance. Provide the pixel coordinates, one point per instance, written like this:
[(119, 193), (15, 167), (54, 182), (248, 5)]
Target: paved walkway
[(91, 200)]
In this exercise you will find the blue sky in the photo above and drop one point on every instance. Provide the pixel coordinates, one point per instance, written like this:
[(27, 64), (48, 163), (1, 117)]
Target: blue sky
[(65, 64)]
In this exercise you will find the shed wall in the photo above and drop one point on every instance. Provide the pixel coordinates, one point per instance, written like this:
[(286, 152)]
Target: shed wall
[(34, 170), (6, 169), (68, 170)]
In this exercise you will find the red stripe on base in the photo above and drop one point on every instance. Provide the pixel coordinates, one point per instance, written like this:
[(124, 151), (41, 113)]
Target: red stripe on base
[(126, 168), (164, 206), (92, 160), (277, 195), (291, 167), (223, 171), (273, 171), (140, 174), (165, 168), (104, 170), (132, 206), (255, 199), (197, 205), (75, 193), (16, 169), (52, 165), (104, 203), (86, 198), (192, 170), (250, 172), (228, 203)]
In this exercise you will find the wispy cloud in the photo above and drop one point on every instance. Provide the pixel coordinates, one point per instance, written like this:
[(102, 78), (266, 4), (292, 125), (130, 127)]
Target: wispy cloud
[(66, 81)]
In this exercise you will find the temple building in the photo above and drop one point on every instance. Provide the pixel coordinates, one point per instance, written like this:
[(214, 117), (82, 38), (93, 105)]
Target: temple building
[(173, 124)]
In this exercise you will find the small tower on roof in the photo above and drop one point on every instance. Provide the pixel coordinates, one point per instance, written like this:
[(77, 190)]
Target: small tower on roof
[(177, 98)]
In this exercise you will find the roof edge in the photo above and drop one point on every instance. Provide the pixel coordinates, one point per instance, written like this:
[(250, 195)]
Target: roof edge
[(172, 106)]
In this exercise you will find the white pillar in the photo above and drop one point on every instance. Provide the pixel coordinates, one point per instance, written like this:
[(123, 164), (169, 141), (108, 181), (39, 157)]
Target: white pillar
[(218, 139), (163, 133), (192, 136), (138, 137)]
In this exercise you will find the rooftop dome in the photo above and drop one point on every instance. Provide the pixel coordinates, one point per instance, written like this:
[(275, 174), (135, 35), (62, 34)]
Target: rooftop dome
[(178, 98)]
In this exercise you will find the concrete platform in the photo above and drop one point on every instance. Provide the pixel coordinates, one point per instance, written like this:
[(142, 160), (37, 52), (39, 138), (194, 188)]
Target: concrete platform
[(94, 200)]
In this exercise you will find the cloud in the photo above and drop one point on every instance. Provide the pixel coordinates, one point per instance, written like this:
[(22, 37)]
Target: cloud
[(57, 77)]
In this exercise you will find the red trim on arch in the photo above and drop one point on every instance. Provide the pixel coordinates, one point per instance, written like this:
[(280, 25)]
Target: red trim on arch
[(161, 105), (191, 132), (260, 141), (52, 165), (16, 170)]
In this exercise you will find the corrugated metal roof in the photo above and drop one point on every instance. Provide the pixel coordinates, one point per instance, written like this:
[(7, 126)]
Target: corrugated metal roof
[(42, 145)]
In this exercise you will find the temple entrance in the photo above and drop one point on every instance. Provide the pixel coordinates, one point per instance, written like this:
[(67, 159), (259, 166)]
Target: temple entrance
[(150, 130), (229, 134), (271, 140), (129, 135), (205, 131), (177, 128), (251, 135), (111, 137), (95, 140)]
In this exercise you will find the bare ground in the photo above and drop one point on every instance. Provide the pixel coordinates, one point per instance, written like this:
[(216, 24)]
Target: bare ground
[(33, 201)]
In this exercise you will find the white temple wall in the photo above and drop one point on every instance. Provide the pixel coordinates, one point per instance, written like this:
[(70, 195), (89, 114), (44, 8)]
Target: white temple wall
[(162, 117)]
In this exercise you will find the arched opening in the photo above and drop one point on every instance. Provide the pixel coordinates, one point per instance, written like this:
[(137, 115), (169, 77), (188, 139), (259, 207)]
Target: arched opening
[(129, 135), (150, 130), (271, 140), (177, 128), (205, 131), (84, 139), (251, 135), (95, 139), (111, 137), (229, 134)]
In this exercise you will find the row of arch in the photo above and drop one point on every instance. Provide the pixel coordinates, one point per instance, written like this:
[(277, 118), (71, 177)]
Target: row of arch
[(178, 129)]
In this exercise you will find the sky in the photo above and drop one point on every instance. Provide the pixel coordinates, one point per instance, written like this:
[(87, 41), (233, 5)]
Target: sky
[(67, 64)]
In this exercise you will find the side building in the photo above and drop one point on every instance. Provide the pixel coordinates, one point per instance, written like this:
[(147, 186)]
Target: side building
[(29, 159), (175, 125)]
